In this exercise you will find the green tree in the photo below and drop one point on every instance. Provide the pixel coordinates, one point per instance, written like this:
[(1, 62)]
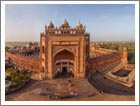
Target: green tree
[(131, 57), (6, 48), (114, 46), (119, 48), (23, 71), (9, 71), (13, 83)]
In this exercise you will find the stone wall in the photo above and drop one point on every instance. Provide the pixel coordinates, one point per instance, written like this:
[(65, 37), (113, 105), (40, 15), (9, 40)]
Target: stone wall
[(30, 63), (98, 62)]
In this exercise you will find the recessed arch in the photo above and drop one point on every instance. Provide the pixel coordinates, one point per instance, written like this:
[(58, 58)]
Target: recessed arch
[(62, 50), (62, 63), (64, 55)]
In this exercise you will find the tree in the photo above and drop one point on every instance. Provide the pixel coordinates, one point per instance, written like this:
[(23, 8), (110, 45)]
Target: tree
[(13, 83), (131, 57), (6, 48), (114, 46), (9, 71), (119, 49)]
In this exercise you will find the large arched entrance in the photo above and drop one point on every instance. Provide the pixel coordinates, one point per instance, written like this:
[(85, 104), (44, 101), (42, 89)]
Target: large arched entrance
[(63, 64)]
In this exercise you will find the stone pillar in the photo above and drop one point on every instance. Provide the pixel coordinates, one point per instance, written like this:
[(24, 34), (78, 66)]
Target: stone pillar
[(124, 56), (46, 57), (41, 75), (84, 58), (50, 60), (76, 64), (81, 56), (82, 52)]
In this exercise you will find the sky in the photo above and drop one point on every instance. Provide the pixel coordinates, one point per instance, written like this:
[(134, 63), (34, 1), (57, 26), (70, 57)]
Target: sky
[(104, 22)]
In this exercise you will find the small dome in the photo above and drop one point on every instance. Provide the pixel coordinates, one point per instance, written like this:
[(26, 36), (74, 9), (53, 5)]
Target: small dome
[(79, 25), (51, 25), (65, 24)]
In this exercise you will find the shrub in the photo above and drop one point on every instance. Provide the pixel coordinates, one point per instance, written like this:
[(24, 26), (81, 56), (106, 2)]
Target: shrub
[(17, 78), (14, 83), (9, 71), (23, 71)]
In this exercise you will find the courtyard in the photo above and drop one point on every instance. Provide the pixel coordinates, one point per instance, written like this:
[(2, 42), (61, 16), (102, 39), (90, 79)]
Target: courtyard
[(67, 89)]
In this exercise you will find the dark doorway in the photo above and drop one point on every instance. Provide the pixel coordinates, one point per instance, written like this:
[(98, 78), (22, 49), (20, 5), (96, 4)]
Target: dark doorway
[(64, 71)]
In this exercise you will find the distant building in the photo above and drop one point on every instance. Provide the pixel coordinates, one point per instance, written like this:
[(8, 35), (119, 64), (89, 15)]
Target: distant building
[(29, 49)]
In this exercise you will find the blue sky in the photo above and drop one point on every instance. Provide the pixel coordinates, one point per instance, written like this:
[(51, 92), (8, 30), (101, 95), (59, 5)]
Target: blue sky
[(112, 22)]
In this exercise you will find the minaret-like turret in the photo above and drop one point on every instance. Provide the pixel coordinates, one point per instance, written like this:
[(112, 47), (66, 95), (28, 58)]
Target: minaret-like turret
[(124, 55)]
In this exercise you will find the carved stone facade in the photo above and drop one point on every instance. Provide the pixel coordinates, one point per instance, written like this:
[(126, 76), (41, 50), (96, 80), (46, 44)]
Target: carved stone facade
[(63, 49)]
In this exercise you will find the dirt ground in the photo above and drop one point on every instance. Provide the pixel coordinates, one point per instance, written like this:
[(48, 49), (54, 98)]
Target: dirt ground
[(85, 91)]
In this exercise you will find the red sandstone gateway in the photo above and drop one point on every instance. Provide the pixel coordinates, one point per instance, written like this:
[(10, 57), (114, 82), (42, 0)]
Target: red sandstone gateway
[(66, 52), (63, 51)]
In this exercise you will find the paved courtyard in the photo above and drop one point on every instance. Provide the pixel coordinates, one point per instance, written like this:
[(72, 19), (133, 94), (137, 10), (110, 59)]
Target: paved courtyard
[(69, 88)]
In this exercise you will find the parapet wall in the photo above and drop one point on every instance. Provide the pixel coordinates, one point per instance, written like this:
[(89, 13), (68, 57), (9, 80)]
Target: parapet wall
[(98, 62), (31, 63)]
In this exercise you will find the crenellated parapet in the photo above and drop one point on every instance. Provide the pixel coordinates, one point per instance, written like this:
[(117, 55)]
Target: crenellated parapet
[(64, 29)]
